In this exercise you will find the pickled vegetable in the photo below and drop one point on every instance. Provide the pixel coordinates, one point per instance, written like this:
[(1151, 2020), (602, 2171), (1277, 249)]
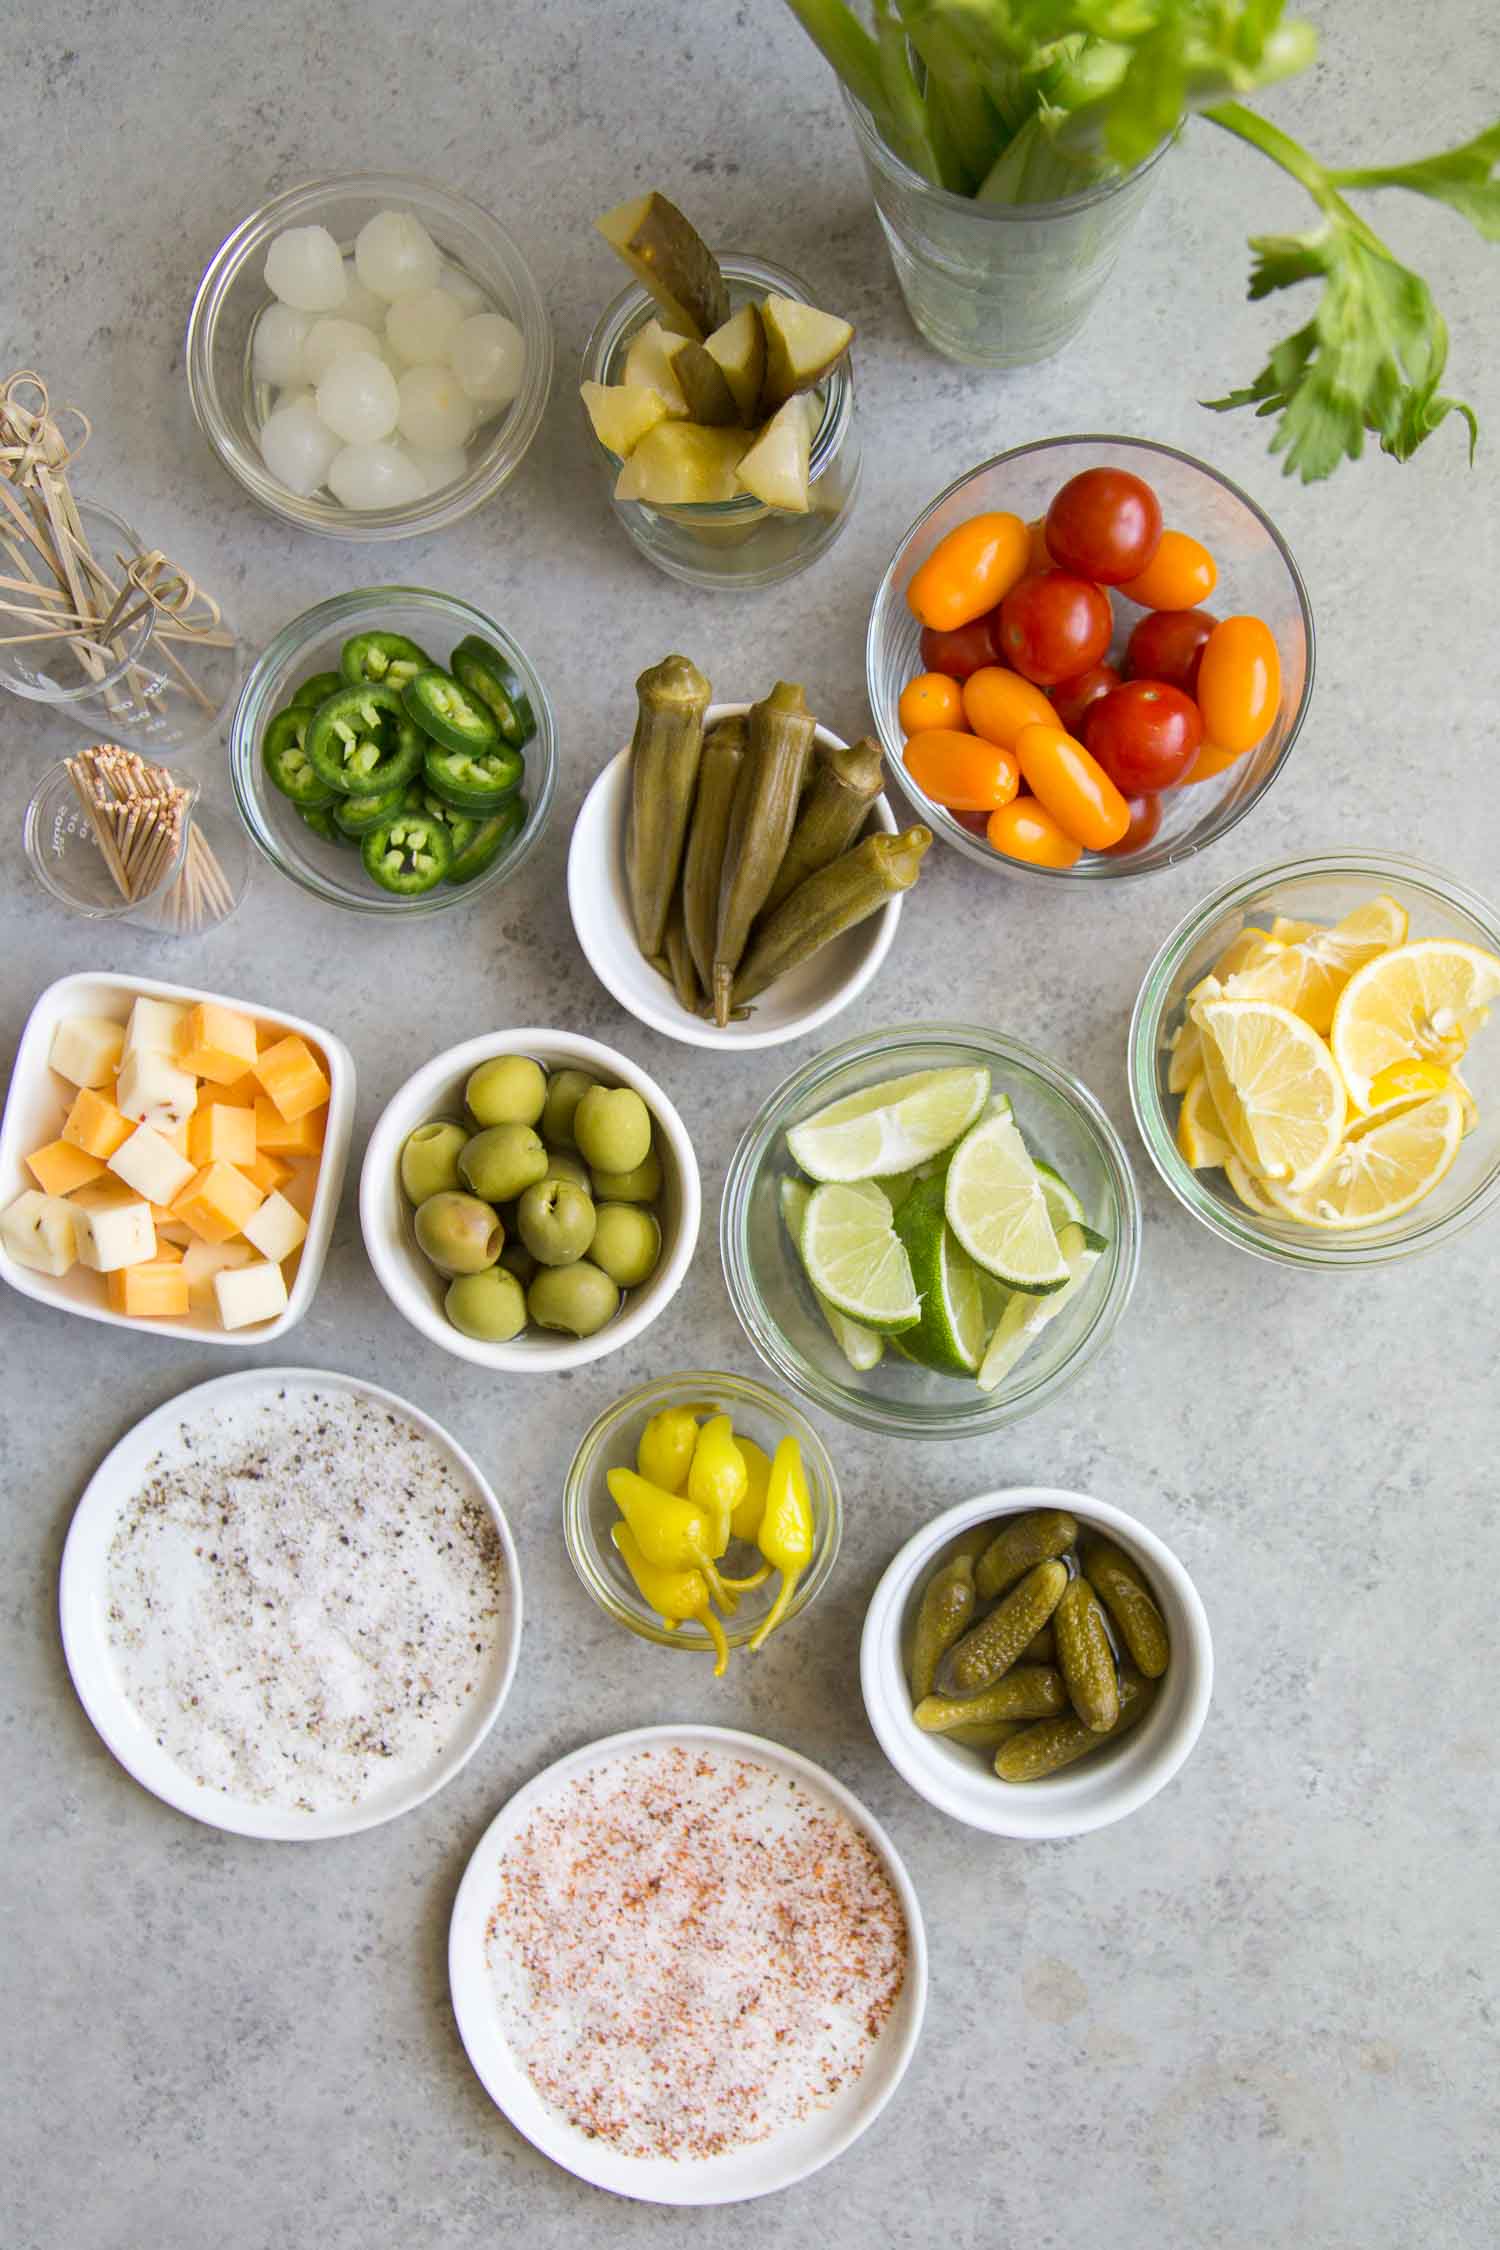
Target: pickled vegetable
[(682, 465), (1028, 1691), (1130, 1603), (837, 898), (990, 1648), (777, 468), (1021, 1542), (1085, 1657), (844, 785), (761, 820), (669, 257), (704, 385), (703, 862), (1055, 1743), (739, 348), (947, 1605), (664, 753), (803, 345)]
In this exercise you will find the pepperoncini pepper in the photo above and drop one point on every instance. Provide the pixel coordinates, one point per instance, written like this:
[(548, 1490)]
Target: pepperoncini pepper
[(673, 1533), (675, 1595), (751, 1506), (665, 1453), (785, 1535), (718, 1477)]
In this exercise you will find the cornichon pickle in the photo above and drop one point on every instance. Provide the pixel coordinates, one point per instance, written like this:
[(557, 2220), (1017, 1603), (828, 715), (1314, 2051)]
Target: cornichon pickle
[(664, 752), (1028, 1691), (1130, 1603), (992, 1646), (947, 1605), (846, 892), (984, 1737), (1085, 1657), (844, 785), (703, 861), (1019, 1545), (761, 819), (1054, 1743)]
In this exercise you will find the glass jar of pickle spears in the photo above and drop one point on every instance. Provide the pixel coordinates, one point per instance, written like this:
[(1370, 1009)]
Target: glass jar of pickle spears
[(740, 542)]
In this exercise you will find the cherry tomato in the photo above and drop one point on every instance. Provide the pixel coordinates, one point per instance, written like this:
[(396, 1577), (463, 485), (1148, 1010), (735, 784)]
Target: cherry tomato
[(961, 771), (1180, 575), (975, 822), (1072, 786), (969, 571), (1038, 556), (932, 699), (1167, 645), (1145, 735), (1239, 683), (1145, 819), (961, 652), (1104, 525), (1054, 626), (1025, 830), (1211, 760), (1071, 698), (998, 703)]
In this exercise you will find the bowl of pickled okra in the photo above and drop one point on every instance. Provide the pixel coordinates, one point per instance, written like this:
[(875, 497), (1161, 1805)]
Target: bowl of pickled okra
[(394, 752), (1036, 1663)]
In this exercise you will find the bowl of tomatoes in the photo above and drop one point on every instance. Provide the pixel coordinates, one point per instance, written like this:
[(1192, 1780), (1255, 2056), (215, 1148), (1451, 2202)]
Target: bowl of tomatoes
[(1089, 657)]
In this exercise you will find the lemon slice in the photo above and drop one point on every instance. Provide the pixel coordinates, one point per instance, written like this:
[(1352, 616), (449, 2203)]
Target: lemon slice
[(860, 1346), (1418, 1002), (994, 1203), (1275, 1088), (952, 1333), (1308, 977), (1246, 951), (1200, 1130), (892, 1127), (1250, 1191), (854, 1259), (1025, 1317), (1389, 1167), (1287, 932)]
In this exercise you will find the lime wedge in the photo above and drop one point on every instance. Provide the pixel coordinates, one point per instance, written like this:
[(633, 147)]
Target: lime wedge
[(860, 1346), (1025, 1317), (950, 1337), (854, 1259), (889, 1128), (1064, 1208), (996, 1207)]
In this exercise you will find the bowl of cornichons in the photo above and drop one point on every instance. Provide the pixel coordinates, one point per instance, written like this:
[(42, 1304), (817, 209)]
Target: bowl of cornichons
[(736, 873)]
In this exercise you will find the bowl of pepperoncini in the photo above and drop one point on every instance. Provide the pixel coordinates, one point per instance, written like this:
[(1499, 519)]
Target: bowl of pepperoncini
[(703, 1513)]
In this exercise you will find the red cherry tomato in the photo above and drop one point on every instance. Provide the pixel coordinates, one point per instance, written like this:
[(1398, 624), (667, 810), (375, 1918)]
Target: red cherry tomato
[(1168, 645), (1071, 698), (1144, 734), (1104, 525), (968, 648), (1239, 683), (975, 822), (1145, 819), (1054, 626)]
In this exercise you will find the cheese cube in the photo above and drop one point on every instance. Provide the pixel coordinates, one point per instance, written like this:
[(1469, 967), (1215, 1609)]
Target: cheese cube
[(217, 1201), (169, 1228), (60, 1167), (276, 1228), (303, 1137), (86, 1050), (112, 1229), (216, 1043), (95, 1125), (153, 1027), (202, 1260), (267, 1171), (39, 1232), (293, 1077), (151, 1166), (155, 1092), (246, 1294), (153, 1291), (221, 1134), (167, 1253), (242, 1094)]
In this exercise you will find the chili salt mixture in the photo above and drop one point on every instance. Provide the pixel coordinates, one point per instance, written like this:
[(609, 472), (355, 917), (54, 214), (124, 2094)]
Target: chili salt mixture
[(690, 1954), (303, 1597)]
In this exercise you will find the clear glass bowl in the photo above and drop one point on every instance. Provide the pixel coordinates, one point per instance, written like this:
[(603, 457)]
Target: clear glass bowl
[(311, 643), (1256, 575), (1319, 888), (734, 543), (1062, 1123), (588, 1510), (233, 292)]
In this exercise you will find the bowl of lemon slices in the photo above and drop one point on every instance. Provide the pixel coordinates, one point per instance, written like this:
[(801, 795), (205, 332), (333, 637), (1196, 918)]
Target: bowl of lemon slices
[(1309, 1065)]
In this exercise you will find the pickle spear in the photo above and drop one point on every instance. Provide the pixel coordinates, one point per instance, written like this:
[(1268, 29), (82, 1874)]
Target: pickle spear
[(739, 347), (664, 753), (682, 465), (704, 385), (777, 468), (761, 820), (838, 897), (802, 346), (844, 785), (666, 253)]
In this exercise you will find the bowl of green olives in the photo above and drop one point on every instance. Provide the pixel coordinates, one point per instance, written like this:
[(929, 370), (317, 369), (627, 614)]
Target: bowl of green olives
[(530, 1200)]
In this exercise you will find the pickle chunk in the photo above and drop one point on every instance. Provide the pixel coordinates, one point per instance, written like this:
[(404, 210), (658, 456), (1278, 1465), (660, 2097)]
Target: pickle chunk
[(739, 348), (802, 346), (668, 255)]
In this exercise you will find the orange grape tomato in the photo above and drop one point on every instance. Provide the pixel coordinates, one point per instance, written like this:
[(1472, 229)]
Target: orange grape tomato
[(1025, 830), (961, 771), (969, 571), (1239, 683), (1210, 760), (930, 700), (1039, 554), (1072, 786), (998, 703), (1181, 574)]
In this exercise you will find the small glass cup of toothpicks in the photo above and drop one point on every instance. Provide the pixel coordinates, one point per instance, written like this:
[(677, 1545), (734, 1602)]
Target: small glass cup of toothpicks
[(111, 835)]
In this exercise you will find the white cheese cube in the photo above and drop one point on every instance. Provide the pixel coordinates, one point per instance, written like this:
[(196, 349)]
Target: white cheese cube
[(152, 1029), (151, 1166), (154, 1091), (276, 1228), (38, 1232), (249, 1293), (86, 1050), (112, 1230), (201, 1261)]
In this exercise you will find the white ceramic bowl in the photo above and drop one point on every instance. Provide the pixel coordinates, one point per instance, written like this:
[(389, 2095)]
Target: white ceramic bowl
[(39, 1100), (1096, 1791), (600, 906), (416, 1291)]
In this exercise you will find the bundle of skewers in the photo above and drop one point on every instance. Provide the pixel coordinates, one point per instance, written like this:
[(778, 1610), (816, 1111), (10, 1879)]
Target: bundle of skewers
[(141, 819)]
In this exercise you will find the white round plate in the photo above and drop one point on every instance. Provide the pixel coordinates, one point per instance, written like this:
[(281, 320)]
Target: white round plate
[(763, 2166), (83, 1604)]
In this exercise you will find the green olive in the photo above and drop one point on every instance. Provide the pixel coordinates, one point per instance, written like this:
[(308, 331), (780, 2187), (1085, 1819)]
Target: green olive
[(556, 1222), (458, 1233), (626, 1244), (489, 1306), (643, 1185), (565, 1090), (562, 1164), (612, 1129), (429, 1159), (506, 1090), (502, 1161), (578, 1299)]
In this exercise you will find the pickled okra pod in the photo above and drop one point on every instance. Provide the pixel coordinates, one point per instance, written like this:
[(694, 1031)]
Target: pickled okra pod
[(761, 820), (677, 962), (838, 897), (844, 785), (946, 1606), (703, 861), (664, 754)]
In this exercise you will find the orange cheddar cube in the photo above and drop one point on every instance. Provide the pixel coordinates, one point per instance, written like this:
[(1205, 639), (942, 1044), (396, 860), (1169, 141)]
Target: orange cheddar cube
[(95, 1125), (221, 1134), (242, 1094), (60, 1167), (216, 1043), (293, 1077), (267, 1171), (286, 1137), (217, 1201), (157, 1289)]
